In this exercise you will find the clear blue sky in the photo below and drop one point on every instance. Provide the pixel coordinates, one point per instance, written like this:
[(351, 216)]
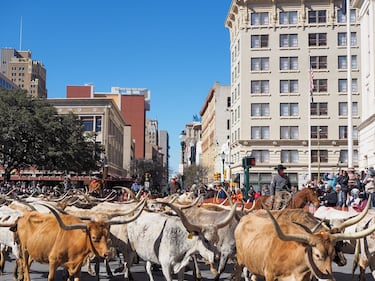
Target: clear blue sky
[(176, 49)]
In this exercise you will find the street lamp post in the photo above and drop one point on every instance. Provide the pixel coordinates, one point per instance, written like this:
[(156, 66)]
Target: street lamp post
[(222, 168), (182, 142)]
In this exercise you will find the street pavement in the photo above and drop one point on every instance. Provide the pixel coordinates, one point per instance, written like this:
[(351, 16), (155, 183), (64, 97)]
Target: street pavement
[(39, 272)]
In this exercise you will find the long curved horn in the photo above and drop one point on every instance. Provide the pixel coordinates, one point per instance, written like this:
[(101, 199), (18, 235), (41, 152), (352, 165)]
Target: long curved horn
[(195, 202), (356, 235), (287, 237), (61, 223), (110, 216), (355, 219), (129, 220), (59, 198), (128, 191), (139, 193), (190, 227), (229, 217), (228, 196), (108, 196), (27, 204)]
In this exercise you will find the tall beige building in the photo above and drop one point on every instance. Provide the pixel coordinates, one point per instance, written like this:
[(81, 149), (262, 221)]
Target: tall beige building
[(26, 73), (273, 44)]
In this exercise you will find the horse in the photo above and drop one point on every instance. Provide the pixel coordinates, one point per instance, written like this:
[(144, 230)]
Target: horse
[(298, 200), (96, 186)]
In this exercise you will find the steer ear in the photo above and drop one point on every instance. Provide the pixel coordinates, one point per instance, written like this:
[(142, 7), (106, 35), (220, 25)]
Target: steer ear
[(61, 223)]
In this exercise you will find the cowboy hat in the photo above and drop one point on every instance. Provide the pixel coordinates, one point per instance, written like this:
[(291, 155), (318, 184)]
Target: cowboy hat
[(280, 167)]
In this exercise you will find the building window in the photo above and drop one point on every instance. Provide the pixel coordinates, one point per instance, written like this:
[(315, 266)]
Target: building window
[(98, 124), (319, 132), (323, 156), (320, 85), (260, 109), (261, 156), (288, 86), (317, 39), (259, 41), (289, 156), (289, 109), (260, 87), (341, 18), (343, 109), (289, 17), (343, 132), (288, 40), (344, 156), (260, 64), (343, 86), (342, 62), (318, 16), (288, 132), (259, 18), (88, 123), (260, 132), (319, 109), (289, 63), (318, 62), (341, 39)]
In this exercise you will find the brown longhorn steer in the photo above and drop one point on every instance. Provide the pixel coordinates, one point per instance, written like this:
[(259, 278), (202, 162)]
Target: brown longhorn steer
[(285, 251), (61, 240)]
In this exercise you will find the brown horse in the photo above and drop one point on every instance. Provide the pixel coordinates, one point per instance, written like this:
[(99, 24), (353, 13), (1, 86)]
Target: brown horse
[(298, 200), (96, 185)]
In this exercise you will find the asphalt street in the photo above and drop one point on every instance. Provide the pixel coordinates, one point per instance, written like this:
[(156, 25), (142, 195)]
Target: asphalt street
[(40, 272)]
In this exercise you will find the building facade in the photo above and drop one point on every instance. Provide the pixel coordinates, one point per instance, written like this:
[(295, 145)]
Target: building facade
[(103, 117), (216, 118), (366, 130), (26, 73), (133, 104), (280, 52)]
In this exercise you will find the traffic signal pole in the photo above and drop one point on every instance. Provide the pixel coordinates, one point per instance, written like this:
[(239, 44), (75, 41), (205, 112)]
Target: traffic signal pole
[(247, 163)]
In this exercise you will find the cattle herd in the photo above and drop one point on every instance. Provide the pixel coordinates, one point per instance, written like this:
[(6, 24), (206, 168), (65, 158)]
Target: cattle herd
[(173, 232)]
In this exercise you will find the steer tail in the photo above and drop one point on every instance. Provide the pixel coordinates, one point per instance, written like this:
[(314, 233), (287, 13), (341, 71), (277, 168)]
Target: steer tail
[(356, 256)]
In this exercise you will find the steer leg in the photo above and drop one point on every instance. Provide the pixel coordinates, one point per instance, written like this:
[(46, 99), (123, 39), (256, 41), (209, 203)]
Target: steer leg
[(196, 271), (149, 271), (167, 271), (236, 275), (2, 260), (52, 269)]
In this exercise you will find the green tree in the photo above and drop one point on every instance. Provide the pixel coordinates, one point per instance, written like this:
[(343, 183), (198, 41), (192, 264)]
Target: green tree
[(194, 174), (33, 134)]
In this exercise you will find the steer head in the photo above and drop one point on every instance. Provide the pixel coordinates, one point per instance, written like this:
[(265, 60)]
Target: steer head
[(98, 233), (319, 248), (209, 232)]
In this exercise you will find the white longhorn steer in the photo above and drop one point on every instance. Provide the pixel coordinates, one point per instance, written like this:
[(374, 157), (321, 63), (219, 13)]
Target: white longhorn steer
[(8, 217), (170, 241)]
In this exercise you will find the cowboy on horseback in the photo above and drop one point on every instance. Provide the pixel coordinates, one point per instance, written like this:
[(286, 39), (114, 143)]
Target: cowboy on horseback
[(280, 188)]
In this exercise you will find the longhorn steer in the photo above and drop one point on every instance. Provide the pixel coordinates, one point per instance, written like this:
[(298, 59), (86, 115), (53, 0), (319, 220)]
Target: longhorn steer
[(170, 241), (8, 216), (61, 240), (213, 217), (288, 252)]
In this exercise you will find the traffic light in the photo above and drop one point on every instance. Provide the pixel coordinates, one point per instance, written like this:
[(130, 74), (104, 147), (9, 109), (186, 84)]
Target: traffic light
[(217, 176), (248, 162)]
